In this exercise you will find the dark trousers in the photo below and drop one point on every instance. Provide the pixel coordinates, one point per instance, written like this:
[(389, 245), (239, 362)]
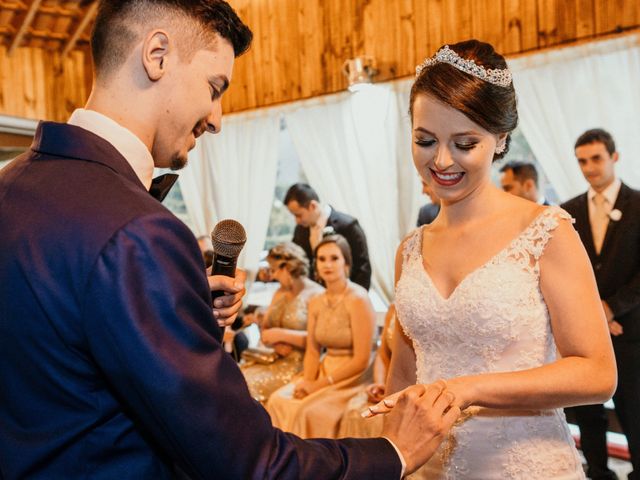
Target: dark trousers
[(592, 419)]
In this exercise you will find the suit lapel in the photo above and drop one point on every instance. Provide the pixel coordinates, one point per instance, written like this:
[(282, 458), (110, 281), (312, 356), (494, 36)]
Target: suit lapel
[(584, 226), (612, 228), (75, 143)]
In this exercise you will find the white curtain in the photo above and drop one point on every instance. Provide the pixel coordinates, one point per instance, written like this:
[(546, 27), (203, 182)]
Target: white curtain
[(347, 147), (233, 175), (410, 197), (562, 93)]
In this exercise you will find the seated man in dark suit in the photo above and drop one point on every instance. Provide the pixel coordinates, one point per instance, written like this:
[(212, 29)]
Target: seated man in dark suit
[(313, 219), (521, 179), (607, 218), (428, 212), (111, 362)]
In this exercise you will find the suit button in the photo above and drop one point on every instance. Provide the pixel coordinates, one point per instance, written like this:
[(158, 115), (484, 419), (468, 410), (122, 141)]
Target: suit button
[(597, 266)]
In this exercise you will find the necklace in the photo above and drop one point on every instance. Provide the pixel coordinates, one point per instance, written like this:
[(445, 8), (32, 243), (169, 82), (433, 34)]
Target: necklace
[(337, 302)]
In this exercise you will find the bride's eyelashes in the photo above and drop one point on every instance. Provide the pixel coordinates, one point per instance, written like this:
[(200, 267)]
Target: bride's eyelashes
[(466, 146), (425, 143), (460, 146)]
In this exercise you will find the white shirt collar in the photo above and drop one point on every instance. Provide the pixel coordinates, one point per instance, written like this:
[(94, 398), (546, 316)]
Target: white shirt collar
[(326, 210), (122, 139), (610, 193)]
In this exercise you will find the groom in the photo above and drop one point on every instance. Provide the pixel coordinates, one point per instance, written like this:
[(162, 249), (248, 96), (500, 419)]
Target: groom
[(110, 357)]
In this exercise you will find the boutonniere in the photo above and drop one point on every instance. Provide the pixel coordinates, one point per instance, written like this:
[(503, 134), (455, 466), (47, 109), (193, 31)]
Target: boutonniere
[(615, 215), (329, 230)]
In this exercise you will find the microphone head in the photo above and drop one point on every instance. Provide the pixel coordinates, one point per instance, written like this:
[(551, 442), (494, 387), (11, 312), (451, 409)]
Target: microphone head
[(228, 237)]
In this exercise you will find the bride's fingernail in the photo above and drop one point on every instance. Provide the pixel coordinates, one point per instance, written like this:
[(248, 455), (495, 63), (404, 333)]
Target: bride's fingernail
[(366, 413)]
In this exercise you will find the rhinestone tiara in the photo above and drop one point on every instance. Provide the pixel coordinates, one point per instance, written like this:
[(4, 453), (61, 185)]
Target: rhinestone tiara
[(497, 76)]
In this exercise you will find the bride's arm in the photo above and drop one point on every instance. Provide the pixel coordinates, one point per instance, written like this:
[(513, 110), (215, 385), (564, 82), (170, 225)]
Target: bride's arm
[(402, 370), (586, 371)]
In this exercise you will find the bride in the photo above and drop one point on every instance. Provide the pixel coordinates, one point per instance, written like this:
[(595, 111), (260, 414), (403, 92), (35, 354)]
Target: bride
[(496, 296)]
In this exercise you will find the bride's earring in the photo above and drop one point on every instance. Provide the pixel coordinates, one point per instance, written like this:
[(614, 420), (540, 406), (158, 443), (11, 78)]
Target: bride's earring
[(501, 148)]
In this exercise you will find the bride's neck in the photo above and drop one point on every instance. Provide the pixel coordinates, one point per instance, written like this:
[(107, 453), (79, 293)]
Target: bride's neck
[(475, 206)]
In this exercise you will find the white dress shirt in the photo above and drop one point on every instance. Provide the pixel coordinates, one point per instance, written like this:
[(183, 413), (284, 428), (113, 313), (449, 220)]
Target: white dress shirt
[(610, 195), (123, 140)]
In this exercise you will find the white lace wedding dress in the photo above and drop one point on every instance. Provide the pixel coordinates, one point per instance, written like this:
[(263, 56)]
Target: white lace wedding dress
[(495, 320)]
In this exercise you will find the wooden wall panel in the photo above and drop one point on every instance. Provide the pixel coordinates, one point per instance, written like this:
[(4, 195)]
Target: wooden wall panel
[(585, 18), (486, 22), (34, 83), (300, 45)]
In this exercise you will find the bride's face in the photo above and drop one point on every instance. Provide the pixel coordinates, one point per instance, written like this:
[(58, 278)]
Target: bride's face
[(452, 154)]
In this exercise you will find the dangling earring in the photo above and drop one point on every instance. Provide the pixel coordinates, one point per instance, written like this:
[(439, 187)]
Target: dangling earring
[(501, 148)]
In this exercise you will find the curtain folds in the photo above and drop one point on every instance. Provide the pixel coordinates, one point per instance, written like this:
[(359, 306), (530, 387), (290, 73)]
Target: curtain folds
[(562, 93), (348, 148), (233, 175)]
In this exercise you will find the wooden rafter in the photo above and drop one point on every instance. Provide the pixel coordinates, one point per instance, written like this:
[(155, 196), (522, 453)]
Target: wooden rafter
[(12, 6), (84, 21), (24, 28)]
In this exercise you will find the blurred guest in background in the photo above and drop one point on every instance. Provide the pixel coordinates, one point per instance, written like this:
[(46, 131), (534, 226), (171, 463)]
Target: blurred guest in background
[(607, 218), (284, 325), (341, 321), (315, 219), (521, 179), (428, 212)]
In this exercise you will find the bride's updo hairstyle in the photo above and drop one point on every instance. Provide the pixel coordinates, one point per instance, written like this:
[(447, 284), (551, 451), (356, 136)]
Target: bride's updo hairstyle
[(491, 106)]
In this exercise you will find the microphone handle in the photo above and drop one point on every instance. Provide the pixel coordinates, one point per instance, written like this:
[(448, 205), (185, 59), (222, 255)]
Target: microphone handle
[(223, 265)]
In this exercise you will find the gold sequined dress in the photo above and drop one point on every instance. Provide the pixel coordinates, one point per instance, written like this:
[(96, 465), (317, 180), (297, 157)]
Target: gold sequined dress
[(319, 414), (263, 380)]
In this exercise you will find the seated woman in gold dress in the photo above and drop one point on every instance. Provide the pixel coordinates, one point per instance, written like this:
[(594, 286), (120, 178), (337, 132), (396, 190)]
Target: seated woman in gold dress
[(353, 424), (284, 326), (341, 323)]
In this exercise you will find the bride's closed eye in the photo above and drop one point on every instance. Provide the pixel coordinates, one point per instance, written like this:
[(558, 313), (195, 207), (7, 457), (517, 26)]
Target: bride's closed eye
[(466, 146), (424, 143)]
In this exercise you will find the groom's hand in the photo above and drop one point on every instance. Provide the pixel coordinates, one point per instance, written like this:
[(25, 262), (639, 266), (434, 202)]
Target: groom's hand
[(421, 417)]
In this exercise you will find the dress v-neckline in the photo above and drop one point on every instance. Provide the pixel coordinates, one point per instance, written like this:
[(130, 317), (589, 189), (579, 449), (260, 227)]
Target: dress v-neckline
[(481, 266)]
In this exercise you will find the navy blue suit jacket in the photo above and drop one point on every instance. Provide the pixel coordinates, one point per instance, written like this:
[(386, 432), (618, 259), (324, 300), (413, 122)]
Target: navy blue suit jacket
[(110, 361)]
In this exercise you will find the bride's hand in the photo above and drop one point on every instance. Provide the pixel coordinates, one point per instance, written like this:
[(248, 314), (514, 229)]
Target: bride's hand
[(387, 404), (464, 391)]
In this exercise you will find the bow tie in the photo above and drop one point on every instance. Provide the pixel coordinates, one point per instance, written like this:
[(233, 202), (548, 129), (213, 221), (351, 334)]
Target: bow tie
[(161, 185)]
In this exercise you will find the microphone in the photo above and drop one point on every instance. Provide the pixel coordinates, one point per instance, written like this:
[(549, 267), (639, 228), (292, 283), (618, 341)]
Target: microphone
[(228, 237)]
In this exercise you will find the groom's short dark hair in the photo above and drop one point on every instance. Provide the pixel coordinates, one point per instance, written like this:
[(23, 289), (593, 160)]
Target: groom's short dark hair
[(301, 193), (117, 24)]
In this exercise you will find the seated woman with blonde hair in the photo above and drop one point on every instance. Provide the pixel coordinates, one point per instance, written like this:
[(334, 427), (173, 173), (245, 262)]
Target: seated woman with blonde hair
[(285, 322), (341, 323)]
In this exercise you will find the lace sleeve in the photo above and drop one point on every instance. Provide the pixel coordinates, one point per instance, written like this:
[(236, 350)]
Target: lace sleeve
[(543, 228), (412, 243)]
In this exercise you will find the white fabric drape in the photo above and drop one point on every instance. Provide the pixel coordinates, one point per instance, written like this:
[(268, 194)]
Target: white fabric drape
[(233, 175), (347, 147), (410, 197), (564, 92)]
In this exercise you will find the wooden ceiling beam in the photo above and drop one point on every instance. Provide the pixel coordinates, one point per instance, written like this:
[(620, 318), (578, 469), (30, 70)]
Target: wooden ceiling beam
[(88, 16), (58, 11), (26, 23), (12, 6)]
